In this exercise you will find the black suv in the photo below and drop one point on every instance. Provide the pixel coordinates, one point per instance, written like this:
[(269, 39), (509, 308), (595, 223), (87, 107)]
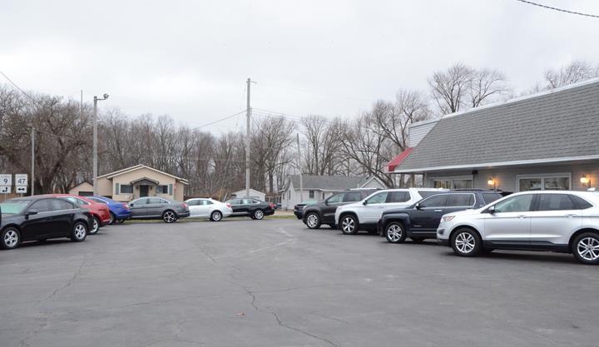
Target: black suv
[(420, 221), (323, 212)]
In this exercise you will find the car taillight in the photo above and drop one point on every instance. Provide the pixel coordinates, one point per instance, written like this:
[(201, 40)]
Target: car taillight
[(272, 205), (126, 207), (184, 205), (228, 205)]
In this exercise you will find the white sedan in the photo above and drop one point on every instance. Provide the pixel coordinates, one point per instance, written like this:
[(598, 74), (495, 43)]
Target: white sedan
[(208, 208)]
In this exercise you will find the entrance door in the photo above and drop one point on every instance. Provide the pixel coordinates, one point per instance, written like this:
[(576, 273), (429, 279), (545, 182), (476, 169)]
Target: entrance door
[(143, 191)]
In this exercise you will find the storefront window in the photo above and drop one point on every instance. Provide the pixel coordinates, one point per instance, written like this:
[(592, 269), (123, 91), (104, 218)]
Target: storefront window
[(544, 183)]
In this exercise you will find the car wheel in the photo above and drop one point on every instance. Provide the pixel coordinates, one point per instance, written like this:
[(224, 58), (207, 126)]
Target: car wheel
[(349, 224), (79, 232), (216, 216), (112, 218), (586, 248), (395, 233), (10, 238), (258, 214), (417, 239), (312, 220), (466, 243), (169, 216), (120, 221), (95, 226)]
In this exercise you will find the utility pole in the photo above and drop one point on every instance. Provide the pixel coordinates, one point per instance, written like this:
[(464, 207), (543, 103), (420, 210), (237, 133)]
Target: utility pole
[(247, 143), (32, 160), (95, 143), (299, 165)]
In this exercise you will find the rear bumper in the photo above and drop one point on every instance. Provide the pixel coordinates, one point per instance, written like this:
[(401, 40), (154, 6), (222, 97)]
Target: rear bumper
[(183, 214)]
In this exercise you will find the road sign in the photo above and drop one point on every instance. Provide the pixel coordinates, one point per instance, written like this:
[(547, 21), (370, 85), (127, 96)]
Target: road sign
[(5, 180), (21, 189), (21, 180), (4, 189)]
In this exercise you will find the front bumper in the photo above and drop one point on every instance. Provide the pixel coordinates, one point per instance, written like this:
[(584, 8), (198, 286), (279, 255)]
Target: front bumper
[(298, 214)]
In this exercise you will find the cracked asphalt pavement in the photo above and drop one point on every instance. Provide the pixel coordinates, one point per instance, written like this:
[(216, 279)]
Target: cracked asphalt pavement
[(275, 283)]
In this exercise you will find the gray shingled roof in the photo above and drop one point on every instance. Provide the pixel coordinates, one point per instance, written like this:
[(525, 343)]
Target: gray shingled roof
[(334, 183), (547, 127)]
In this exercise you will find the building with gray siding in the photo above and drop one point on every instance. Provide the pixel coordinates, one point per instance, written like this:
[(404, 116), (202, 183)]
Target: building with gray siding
[(548, 140)]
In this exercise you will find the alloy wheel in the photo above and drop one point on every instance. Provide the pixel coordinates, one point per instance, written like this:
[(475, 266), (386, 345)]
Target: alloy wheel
[(312, 221), (588, 248), (465, 242), (348, 225), (11, 238), (217, 216), (169, 217), (80, 231), (258, 214), (394, 233), (95, 226)]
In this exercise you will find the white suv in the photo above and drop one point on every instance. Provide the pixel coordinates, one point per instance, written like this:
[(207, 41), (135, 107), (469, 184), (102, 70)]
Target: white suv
[(365, 214), (559, 221)]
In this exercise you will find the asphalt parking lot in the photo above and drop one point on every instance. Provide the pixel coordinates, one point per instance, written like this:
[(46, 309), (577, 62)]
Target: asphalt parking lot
[(275, 283)]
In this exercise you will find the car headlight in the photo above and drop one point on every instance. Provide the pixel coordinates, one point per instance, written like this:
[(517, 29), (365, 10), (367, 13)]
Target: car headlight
[(447, 218)]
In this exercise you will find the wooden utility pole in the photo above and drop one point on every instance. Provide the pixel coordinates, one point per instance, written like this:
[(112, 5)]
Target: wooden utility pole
[(247, 143)]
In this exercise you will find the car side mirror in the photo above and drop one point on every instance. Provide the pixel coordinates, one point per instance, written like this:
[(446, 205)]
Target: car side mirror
[(365, 202), (30, 213), (326, 202), (418, 206), (131, 204), (491, 210)]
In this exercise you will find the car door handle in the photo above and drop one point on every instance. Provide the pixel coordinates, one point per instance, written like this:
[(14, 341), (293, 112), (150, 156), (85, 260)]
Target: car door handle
[(570, 216), (522, 217), (438, 210)]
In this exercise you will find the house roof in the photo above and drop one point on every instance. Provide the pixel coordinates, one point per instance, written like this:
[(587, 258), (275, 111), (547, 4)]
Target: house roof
[(327, 183), (399, 159), (138, 167), (555, 126)]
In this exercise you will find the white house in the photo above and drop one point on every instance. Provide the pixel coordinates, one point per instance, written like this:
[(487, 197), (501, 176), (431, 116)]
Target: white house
[(321, 187), (253, 194)]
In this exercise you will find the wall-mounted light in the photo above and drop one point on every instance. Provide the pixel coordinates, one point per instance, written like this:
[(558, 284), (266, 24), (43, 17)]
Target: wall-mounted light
[(585, 181), (492, 183)]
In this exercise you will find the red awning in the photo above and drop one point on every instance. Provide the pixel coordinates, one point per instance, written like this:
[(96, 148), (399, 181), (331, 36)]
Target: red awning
[(399, 159)]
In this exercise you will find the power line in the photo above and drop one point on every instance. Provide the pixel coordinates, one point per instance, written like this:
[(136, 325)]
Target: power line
[(16, 86), (559, 9), (218, 121)]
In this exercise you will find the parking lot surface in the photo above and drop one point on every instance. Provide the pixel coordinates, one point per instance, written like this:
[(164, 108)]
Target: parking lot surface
[(275, 283)]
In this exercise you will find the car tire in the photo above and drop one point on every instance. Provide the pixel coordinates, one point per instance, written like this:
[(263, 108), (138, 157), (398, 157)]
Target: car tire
[(119, 221), (466, 243), (586, 248), (112, 218), (169, 216), (348, 224), (313, 220), (216, 216), (79, 232), (417, 239), (258, 214), (395, 233), (95, 226), (10, 238)]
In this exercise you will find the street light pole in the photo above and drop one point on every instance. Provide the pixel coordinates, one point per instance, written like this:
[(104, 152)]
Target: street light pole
[(95, 143)]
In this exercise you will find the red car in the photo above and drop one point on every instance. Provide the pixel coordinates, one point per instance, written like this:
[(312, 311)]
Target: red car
[(99, 211)]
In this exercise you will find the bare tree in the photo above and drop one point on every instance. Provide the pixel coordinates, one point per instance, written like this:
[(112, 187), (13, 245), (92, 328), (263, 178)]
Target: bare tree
[(485, 84), (449, 89), (576, 71)]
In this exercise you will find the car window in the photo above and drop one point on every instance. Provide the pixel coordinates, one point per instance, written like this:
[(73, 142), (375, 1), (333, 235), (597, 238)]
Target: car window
[(378, 198), (434, 201), (235, 202), (41, 206), (141, 201), (155, 201), (13, 206), (352, 196), (192, 202), (427, 193), (520, 203), (208, 202), (460, 200), (581, 203), (61, 204), (398, 197), (490, 197), (248, 201), (555, 202), (335, 198), (77, 202)]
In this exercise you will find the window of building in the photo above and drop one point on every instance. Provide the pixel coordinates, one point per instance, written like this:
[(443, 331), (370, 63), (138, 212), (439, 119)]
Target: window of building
[(456, 182), (311, 194), (544, 182), (162, 189), (126, 189)]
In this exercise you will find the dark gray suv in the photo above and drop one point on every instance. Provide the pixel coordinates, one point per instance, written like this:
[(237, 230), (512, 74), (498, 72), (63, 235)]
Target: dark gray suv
[(323, 212)]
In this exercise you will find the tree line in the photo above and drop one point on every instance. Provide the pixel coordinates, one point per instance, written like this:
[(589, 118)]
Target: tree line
[(215, 164)]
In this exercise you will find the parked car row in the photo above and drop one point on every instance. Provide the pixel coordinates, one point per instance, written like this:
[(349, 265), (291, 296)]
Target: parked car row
[(472, 222)]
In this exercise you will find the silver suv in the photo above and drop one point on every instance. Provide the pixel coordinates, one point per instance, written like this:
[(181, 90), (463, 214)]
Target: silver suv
[(559, 221), (365, 214)]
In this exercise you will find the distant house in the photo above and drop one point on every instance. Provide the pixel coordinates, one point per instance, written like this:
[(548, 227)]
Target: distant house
[(253, 194), (321, 187), (84, 188), (137, 181), (544, 141)]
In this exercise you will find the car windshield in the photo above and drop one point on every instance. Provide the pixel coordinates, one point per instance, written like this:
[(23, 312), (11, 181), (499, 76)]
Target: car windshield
[(14, 207)]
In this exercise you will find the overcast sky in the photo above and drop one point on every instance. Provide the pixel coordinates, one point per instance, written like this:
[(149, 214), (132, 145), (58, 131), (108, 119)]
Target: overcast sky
[(190, 59)]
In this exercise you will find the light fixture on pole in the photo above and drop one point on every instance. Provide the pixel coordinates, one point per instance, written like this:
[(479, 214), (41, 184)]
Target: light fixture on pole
[(95, 142), (585, 181)]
